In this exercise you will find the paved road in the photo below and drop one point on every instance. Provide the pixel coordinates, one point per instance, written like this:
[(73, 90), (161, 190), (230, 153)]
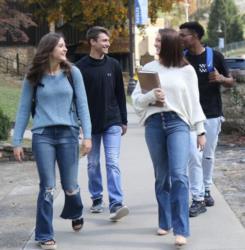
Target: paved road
[(218, 229)]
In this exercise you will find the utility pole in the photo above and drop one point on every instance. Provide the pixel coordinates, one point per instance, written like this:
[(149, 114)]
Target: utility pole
[(131, 82)]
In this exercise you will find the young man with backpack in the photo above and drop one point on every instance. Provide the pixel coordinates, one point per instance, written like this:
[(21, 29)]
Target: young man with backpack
[(212, 73)]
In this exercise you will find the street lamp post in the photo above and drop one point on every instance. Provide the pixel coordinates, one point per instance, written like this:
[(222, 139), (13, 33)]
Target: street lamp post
[(186, 5), (131, 83), (222, 34)]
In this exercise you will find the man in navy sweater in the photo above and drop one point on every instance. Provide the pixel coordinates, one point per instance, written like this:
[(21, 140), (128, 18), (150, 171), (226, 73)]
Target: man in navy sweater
[(107, 105)]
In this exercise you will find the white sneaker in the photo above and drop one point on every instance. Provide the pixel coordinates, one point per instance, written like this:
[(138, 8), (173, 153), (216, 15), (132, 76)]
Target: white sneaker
[(118, 212)]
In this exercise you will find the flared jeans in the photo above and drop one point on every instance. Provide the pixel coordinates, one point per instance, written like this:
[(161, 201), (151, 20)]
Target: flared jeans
[(56, 144), (168, 139)]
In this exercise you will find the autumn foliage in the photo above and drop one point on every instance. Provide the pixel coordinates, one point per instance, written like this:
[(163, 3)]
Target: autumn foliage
[(12, 22), (156, 6), (82, 14)]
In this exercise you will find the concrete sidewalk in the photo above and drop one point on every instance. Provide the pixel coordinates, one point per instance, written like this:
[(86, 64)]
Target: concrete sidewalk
[(218, 229)]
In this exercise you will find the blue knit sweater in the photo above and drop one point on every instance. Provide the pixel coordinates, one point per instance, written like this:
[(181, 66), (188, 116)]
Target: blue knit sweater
[(53, 105)]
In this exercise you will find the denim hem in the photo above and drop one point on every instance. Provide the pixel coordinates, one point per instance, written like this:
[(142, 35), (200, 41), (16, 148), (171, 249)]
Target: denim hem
[(165, 228), (42, 239), (100, 197), (73, 207), (182, 234), (117, 204), (198, 198), (72, 217)]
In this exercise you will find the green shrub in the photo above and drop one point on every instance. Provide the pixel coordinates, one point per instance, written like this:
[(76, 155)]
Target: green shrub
[(5, 126)]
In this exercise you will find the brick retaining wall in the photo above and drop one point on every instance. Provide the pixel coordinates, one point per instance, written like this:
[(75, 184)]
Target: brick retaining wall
[(6, 153), (234, 106), (25, 54)]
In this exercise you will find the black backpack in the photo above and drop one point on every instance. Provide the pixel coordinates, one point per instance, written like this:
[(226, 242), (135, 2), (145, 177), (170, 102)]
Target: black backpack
[(33, 104)]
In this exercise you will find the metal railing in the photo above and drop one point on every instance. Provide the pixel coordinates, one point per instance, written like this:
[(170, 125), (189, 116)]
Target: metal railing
[(13, 66), (231, 47)]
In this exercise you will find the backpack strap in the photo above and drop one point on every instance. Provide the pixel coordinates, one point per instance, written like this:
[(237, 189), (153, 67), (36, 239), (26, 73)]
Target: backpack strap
[(70, 79), (209, 59), (34, 97), (74, 97), (185, 52), (33, 101)]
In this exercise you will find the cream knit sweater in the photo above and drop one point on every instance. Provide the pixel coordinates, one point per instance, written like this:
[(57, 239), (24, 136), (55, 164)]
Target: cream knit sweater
[(180, 86)]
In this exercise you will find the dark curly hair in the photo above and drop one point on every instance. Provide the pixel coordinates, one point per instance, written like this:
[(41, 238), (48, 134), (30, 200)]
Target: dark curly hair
[(194, 27), (40, 62)]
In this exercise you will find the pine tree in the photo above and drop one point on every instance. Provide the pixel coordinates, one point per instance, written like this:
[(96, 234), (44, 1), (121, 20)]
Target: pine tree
[(235, 25), (224, 15)]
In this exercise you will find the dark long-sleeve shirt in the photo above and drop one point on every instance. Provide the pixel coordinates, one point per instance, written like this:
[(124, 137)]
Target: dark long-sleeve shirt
[(105, 92)]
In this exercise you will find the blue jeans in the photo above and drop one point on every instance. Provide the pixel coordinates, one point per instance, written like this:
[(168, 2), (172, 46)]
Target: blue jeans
[(57, 143), (111, 141), (201, 164), (168, 139)]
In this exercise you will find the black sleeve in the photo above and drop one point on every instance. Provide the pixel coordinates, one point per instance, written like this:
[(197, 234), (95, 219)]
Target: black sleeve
[(220, 64), (120, 93), (79, 64)]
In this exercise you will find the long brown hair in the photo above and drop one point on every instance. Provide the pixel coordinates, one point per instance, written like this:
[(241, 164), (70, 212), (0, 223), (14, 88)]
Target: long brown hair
[(40, 62), (171, 52)]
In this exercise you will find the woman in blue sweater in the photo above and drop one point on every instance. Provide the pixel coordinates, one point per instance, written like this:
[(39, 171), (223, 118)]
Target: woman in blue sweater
[(56, 126)]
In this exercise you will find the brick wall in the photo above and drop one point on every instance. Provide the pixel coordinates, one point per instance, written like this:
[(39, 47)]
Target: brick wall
[(6, 153)]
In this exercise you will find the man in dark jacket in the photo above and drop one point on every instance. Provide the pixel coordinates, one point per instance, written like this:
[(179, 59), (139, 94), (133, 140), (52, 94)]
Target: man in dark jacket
[(107, 105)]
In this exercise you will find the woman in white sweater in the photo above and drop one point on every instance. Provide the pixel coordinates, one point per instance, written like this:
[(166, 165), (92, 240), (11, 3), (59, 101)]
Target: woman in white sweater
[(167, 130)]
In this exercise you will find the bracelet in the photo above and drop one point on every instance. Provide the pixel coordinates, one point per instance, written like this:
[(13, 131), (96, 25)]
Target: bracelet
[(203, 133)]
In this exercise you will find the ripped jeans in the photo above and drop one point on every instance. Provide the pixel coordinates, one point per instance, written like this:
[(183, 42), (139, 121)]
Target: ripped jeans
[(56, 144), (201, 164)]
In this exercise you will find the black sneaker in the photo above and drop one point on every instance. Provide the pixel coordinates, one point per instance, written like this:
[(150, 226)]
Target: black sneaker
[(196, 208), (117, 212), (209, 201), (97, 206)]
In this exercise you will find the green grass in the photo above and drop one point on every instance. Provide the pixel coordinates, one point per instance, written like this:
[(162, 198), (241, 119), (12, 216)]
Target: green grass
[(9, 98), (10, 91)]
